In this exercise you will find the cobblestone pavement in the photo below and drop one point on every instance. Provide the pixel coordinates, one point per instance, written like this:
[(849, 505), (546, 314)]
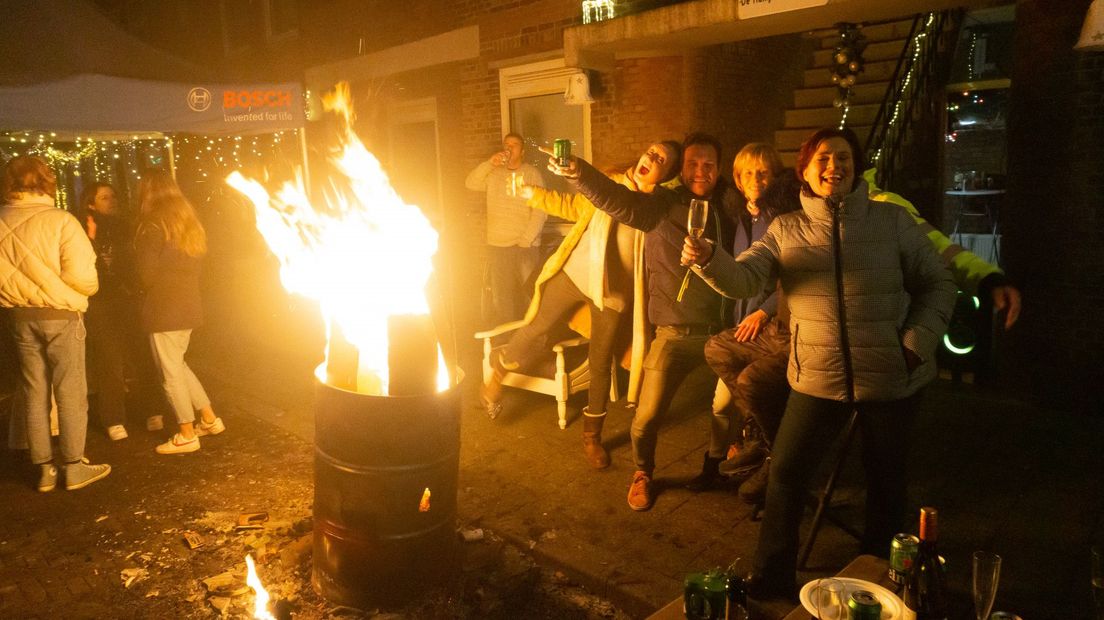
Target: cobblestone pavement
[(1020, 480)]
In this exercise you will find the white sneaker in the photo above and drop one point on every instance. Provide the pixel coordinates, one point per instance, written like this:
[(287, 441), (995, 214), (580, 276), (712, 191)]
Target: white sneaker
[(179, 445), (214, 428), (117, 432), (154, 423)]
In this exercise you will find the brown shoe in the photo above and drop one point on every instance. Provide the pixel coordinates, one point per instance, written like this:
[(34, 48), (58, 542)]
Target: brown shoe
[(640, 493)]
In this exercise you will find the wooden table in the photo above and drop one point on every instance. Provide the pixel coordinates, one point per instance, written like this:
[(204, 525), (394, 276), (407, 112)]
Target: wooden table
[(867, 567)]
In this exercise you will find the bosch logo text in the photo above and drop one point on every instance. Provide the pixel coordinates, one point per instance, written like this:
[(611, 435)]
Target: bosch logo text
[(256, 99)]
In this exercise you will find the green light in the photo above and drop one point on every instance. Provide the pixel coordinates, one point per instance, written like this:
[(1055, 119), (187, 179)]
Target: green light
[(956, 350), (977, 302)]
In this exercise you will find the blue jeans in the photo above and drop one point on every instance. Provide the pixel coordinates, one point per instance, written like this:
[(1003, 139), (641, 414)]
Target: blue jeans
[(510, 268), (51, 359), (808, 428), (183, 390)]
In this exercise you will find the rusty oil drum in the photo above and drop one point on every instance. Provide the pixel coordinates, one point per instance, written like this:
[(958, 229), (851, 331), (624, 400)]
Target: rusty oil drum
[(376, 539)]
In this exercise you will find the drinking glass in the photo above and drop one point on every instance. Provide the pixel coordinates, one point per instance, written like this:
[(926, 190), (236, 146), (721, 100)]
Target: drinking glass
[(987, 567), (828, 595), (1098, 581), (697, 217)]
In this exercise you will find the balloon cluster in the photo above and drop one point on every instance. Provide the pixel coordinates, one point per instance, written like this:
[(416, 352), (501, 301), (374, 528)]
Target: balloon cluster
[(847, 61)]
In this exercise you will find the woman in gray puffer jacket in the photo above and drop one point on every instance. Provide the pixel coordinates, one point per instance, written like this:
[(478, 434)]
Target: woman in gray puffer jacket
[(869, 300)]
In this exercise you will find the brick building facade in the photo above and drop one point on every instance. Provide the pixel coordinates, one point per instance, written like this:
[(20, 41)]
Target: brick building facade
[(736, 90)]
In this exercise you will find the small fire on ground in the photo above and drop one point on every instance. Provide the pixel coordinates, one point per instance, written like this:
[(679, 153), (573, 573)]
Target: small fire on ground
[(366, 256), (260, 604)]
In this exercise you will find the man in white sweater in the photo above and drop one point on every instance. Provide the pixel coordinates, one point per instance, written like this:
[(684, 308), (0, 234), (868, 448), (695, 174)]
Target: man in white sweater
[(47, 273), (513, 228)]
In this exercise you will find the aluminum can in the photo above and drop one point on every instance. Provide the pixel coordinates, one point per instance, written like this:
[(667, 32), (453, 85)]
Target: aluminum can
[(863, 605), (561, 150), (902, 552)]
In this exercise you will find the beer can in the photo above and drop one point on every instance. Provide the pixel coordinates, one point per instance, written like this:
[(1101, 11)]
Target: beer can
[(902, 552), (561, 150), (863, 605)]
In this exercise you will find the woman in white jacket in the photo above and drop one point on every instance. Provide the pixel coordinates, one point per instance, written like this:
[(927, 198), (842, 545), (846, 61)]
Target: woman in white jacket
[(47, 272)]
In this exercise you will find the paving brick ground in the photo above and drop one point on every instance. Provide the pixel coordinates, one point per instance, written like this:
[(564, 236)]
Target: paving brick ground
[(1023, 481)]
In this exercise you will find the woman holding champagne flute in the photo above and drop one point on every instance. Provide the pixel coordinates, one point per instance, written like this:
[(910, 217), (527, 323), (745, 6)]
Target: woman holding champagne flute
[(869, 300)]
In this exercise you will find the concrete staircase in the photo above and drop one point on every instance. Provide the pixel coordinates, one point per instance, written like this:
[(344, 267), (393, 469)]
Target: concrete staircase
[(812, 107)]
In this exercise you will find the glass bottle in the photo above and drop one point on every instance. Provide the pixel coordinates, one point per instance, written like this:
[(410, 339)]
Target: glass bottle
[(925, 593)]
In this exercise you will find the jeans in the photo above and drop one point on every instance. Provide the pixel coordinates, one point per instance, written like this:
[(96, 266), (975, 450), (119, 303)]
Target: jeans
[(509, 269), (671, 357), (559, 299), (754, 374), (182, 388), (808, 427), (51, 358)]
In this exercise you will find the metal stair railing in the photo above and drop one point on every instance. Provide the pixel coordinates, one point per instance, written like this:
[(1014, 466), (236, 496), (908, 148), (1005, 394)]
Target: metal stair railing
[(916, 84)]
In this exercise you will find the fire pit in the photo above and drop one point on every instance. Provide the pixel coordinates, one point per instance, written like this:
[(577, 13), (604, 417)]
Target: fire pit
[(387, 415), (385, 472)]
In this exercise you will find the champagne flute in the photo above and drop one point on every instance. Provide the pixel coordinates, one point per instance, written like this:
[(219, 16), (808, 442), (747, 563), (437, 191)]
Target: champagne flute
[(696, 219), (828, 595), (987, 567)]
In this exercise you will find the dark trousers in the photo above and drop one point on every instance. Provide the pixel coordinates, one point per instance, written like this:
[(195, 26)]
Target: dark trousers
[(672, 356), (755, 374), (808, 427), (108, 339), (560, 298), (509, 268)]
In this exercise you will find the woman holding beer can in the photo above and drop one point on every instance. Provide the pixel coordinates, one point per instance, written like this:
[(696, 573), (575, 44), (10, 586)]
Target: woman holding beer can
[(593, 278)]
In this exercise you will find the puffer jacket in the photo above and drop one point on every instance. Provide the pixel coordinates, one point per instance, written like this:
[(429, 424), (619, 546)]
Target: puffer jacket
[(897, 294), (46, 261)]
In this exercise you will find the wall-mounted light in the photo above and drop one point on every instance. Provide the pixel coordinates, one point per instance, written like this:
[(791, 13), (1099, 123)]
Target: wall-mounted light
[(578, 89), (1092, 33)]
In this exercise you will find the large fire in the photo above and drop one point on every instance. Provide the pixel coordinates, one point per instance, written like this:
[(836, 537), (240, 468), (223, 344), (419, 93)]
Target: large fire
[(366, 257)]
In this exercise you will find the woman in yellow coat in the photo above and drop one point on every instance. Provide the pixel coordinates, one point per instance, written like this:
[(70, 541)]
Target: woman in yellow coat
[(597, 267)]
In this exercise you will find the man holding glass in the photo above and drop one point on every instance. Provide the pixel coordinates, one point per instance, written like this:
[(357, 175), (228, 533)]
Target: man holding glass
[(513, 228), (685, 313)]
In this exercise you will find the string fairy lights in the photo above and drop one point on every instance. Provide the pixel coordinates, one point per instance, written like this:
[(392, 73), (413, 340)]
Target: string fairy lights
[(80, 159)]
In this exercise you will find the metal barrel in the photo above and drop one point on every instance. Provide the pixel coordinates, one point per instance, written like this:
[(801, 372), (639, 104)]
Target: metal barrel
[(378, 536)]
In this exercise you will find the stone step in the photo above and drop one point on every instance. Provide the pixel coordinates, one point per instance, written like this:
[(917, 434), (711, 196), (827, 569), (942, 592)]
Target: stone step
[(880, 32), (879, 71), (823, 96), (790, 139), (862, 114), (886, 50)]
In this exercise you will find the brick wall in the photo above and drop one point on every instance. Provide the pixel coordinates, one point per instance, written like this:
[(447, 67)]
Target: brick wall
[(1054, 233)]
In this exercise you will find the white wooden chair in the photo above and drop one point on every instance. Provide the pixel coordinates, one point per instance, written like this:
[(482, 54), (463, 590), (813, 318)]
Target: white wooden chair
[(566, 370)]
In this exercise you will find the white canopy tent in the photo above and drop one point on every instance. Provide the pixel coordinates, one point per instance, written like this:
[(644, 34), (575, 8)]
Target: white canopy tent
[(70, 71)]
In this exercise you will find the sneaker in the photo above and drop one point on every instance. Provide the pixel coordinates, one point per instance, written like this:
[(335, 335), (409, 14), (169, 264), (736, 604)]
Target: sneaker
[(81, 474), (179, 445), (116, 432), (746, 460), (754, 490), (640, 492), (203, 429), (155, 423), (47, 481)]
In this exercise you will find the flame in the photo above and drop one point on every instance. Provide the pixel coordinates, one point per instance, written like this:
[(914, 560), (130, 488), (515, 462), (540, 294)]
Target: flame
[(260, 604), (364, 258), (423, 506)]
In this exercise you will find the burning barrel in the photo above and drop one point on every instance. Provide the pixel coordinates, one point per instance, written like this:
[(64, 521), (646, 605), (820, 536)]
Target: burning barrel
[(385, 477)]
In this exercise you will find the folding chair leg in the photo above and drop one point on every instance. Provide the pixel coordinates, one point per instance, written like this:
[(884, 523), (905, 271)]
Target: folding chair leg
[(829, 489)]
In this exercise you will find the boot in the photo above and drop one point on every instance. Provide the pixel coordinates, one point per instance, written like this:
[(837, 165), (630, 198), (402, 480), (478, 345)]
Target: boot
[(595, 454), (754, 490), (710, 475)]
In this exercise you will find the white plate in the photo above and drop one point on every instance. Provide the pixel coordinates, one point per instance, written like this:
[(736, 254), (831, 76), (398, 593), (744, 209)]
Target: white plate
[(891, 605)]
